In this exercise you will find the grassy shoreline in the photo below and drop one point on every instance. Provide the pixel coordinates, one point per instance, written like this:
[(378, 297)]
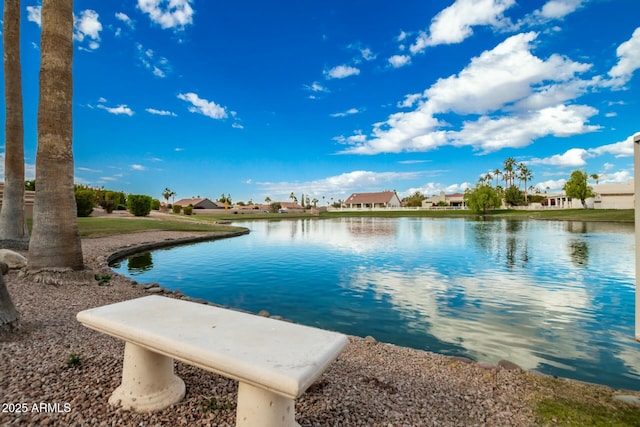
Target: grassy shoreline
[(108, 225)]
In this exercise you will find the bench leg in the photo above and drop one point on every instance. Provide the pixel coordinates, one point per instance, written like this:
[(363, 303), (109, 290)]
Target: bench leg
[(258, 407), (148, 381)]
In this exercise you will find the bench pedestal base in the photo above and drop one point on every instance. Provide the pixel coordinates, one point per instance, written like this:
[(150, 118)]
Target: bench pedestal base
[(148, 381), (258, 407)]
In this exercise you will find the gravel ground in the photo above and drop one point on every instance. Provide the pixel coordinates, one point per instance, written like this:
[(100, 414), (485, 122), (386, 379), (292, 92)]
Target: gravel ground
[(370, 384)]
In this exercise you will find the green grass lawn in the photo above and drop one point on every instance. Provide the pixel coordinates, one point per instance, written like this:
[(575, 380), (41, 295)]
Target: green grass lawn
[(613, 215), (105, 226), (95, 227)]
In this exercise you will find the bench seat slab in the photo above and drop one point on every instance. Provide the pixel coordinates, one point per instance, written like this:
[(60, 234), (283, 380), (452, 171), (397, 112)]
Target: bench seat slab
[(274, 361)]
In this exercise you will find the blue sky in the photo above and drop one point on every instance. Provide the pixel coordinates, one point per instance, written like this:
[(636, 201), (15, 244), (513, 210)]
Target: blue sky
[(326, 98)]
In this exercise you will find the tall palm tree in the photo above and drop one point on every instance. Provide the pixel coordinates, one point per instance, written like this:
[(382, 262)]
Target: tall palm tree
[(509, 164), (595, 176), (525, 175), (13, 226), (55, 242), (496, 174)]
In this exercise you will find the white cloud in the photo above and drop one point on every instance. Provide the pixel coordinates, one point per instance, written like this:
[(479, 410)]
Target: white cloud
[(138, 167), (518, 96), (398, 61), (456, 22), (552, 185), (158, 65), (357, 138), (88, 26), (125, 19), (367, 54), (168, 13), (506, 74), (574, 157), (516, 131), (628, 60), (160, 112), (617, 149), (339, 185), (34, 14), (316, 87), (204, 107), (118, 111), (558, 9), (341, 71), (349, 112)]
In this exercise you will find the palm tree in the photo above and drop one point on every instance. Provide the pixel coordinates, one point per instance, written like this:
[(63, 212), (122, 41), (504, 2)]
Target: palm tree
[(293, 197), (509, 163), (524, 174), (267, 200), (496, 174), (55, 242), (167, 193), (595, 176), (13, 225)]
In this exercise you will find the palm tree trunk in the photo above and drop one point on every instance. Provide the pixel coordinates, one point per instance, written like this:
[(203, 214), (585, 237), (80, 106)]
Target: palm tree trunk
[(55, 242), (13, 226)]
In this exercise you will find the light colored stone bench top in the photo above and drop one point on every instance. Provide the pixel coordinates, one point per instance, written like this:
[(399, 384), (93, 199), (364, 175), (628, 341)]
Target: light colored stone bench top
[(282, 357)]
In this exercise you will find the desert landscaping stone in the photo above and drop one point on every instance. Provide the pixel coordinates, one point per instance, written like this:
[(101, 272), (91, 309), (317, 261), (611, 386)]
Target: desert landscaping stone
[(12, 259)]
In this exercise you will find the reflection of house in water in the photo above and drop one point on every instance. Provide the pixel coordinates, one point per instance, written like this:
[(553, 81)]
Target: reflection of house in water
[(452, 200), (371, 227)]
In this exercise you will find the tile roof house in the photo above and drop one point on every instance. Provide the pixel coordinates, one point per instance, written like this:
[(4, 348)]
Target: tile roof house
[(455, 199), (614, 195), (383, 199), (291, 207), (198, 203)]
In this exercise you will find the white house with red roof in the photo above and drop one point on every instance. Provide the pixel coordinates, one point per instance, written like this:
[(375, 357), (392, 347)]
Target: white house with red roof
[(382, 199)]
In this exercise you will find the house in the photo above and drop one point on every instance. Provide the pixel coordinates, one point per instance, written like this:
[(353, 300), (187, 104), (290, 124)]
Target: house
[(452, 200), (198, 203), (614, 196), (383, 199), (291, 207)]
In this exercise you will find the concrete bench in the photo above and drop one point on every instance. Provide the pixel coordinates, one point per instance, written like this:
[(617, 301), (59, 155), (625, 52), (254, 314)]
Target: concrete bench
[(274, 361)]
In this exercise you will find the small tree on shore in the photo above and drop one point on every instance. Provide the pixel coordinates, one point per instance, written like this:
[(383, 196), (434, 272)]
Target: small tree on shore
[(481, 198), (577, 187)]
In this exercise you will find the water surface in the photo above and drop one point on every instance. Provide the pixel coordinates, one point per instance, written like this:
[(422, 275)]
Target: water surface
[(553, 296)]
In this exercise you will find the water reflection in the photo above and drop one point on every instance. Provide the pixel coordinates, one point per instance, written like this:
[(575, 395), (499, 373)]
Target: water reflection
[(579, 252), (553, 296), (140, 263)]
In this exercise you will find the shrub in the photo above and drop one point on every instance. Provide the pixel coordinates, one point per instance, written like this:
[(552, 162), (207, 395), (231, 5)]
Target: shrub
[(176, 209), (139, 204), (155, 204), (108, 205), (188, 210), (84, 202)]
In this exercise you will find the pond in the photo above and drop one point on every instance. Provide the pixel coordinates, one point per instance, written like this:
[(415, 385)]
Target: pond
[(553, 296)]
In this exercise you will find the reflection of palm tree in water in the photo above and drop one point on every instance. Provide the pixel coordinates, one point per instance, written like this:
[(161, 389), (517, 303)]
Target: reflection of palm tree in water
[(140, 263), (579, 252)]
